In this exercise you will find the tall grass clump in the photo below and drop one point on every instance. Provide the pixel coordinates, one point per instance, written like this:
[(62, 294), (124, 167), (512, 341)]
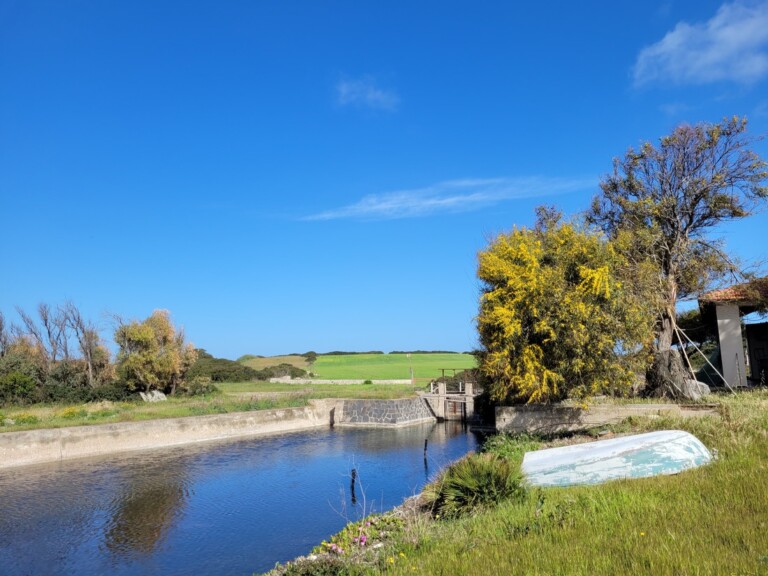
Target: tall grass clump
[(474, 483)]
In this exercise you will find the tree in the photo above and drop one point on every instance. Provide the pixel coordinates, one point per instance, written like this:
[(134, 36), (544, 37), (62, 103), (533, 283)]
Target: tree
[(554, 320), (310, 358), (667, 199), (87, 338), (153, 354)]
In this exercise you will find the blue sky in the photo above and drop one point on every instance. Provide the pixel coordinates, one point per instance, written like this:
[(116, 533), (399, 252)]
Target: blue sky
[(285, 176)]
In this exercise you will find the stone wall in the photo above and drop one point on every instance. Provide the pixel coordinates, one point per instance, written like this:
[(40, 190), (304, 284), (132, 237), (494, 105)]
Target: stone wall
[(551, 419), (403, 412)]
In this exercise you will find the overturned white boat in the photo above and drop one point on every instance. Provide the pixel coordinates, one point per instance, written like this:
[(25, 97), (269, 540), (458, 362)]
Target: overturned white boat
[(636, 456)]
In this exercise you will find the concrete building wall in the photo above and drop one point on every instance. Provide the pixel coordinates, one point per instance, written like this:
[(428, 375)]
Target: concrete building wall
[(731, 345)]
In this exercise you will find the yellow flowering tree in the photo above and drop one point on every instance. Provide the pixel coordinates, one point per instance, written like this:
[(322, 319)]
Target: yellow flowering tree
[(153, 354), (555, 321)]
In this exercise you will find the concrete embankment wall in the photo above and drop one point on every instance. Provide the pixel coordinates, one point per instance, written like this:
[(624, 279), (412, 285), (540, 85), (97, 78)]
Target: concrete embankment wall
[(403, 412), (551, 419), (38, 446)]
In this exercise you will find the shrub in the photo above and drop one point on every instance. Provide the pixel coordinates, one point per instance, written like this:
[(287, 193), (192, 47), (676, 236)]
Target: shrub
[(114, 392), (18, 388), (321, 566), (26, 418), (201, 386), (477, 481), (72, 412), (63, 393), (367, 382)]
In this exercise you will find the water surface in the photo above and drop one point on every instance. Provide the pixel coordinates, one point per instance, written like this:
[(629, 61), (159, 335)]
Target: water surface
[(227, 508)]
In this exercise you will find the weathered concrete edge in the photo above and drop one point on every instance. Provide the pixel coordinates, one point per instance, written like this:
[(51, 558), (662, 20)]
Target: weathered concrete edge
[(58, 444), (549, 419), (402, 424)]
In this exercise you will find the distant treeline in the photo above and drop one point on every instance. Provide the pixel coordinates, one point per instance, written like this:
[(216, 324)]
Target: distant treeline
[(223, 370), (426, 352), (333, 353)]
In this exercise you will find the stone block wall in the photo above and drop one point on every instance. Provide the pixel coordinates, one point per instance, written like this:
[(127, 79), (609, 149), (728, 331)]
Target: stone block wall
[(549, 419), (403, 412)]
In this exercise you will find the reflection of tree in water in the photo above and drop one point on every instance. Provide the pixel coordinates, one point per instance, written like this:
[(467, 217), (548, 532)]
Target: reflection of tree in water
[(146, 510)]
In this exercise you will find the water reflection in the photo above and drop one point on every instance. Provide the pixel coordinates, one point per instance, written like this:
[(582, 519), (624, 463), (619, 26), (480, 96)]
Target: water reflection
[(146, 510), (229, 508)]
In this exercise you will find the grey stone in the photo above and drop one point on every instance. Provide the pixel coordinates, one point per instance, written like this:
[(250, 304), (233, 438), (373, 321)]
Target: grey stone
[(153, 396), (693, 389)]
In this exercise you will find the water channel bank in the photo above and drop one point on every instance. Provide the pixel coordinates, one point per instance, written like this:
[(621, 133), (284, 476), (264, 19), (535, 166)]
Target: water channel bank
[(60, 444), (230, 507)]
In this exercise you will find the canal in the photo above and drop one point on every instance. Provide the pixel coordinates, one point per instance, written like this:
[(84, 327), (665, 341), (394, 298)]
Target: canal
[(224, 508)]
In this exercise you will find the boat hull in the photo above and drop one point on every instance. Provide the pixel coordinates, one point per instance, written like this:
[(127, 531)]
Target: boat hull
[(636, 456)]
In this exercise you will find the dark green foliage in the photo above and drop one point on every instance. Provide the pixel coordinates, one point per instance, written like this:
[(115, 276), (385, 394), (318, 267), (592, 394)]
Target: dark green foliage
[(223, 370), (114, 392), (341, 353), (476, 482), (200, 387), (511, 447), (17, 387), (65, 394), (72, 374), (280, 371), (425, 352), (22, 361), (220, 369), (322, 566)]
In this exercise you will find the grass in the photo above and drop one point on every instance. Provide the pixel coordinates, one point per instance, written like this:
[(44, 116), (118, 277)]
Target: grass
[(259, 363), (374, 366), (711, 520), (361, 391), (234, 397)]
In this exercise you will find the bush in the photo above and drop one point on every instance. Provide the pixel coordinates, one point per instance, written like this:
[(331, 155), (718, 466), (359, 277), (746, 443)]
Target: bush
[(114, 392), (201, 386), (64, 394), (280, 371), (25, 418), (321, 566), (477, 481), (220, 369), (17, 388), (72, 412)]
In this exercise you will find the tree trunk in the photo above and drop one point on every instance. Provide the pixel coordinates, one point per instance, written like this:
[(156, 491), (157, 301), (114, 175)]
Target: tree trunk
[(665, 377)]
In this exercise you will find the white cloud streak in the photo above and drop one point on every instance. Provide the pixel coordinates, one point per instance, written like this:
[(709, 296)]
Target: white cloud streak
[(364, 92), (453, 197), (731, 46)]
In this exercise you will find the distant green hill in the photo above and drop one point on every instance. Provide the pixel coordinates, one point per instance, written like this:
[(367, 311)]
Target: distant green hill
[(426, 366)]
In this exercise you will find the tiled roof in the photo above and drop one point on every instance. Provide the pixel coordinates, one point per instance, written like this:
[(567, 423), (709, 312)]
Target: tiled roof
[(752, 293)]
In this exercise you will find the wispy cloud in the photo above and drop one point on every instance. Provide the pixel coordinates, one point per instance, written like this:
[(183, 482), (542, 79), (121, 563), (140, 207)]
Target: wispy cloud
[(674, 108), (731, 46), (365, 92), (452, 197)]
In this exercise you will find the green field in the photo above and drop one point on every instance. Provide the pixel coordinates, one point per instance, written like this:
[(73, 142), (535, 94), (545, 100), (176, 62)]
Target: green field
[(374, 366)]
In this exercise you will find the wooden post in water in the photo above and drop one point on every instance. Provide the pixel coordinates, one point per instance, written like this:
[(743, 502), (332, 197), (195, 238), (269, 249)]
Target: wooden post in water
[(352, 485)]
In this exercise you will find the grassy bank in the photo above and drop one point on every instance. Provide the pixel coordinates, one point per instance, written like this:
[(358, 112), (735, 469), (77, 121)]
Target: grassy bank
[(373, 366), (234, 397), (712, 520)]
